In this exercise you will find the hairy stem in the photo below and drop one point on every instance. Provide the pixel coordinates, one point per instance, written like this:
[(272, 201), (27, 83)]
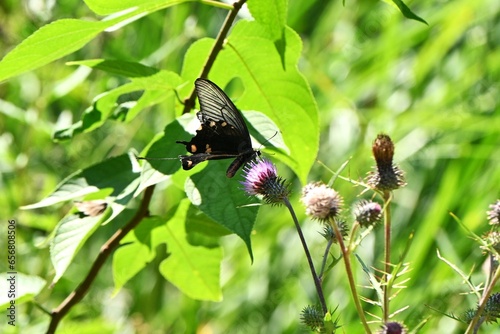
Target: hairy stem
[(387, 255), (348, 268), (475, 323)]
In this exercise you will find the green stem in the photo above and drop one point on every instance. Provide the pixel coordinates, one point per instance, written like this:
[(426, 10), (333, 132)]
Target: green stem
[(350, 276), (387, 256), (316, 280)]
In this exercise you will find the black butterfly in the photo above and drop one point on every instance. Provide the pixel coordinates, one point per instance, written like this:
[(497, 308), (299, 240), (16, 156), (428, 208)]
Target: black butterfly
[(223, 133)]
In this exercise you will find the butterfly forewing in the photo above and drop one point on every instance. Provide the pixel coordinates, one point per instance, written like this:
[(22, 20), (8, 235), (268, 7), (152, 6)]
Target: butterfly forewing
[(216, 106), (223, 133)]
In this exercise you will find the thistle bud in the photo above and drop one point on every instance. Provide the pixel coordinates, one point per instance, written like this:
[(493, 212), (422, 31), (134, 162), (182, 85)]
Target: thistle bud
[(329, 233), (393, 327), (386, 175), (367, 213), (312, 317)]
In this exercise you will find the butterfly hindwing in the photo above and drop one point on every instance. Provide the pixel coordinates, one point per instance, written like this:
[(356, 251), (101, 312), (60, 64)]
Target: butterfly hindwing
[(223, 133)]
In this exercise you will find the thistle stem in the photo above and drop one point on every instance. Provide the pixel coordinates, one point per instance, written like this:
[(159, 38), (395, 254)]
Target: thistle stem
[(474, 324), (387, 255), (316, 280), (350, 276)]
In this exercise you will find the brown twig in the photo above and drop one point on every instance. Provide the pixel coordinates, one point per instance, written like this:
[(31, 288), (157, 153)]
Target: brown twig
[(106, 250), (189, 102)]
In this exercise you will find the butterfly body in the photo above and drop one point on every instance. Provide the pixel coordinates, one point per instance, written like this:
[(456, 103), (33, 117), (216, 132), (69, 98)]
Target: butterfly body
[(223, 133)]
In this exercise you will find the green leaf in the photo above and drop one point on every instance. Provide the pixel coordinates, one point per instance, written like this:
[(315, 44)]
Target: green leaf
[(119, 173), (222, 199), (106, 7), (407, 11), (164, 151), (62, 37), (49, 43), (26, 288), (70, 235), (271, 15), (137, 249), (280, 93), (118, 67), (148, 86), (195, 270)]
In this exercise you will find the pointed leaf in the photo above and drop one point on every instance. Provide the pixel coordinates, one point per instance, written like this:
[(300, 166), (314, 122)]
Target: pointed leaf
[(116, 173), (222, 199), (107, 7), (62, 37), (70, 234), (407, 11), (49, 43)]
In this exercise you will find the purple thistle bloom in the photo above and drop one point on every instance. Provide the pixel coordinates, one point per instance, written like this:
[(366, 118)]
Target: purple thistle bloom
[(261, 179)]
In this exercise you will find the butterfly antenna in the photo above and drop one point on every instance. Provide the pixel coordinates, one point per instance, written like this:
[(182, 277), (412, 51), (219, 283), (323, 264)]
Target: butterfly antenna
[(268, 140), (144, 158)]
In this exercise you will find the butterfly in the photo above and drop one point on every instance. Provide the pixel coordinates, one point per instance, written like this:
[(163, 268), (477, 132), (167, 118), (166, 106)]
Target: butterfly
[(223, 133)]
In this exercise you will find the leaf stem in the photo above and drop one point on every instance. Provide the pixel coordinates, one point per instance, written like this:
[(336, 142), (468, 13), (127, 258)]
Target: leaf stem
[(106, 250)]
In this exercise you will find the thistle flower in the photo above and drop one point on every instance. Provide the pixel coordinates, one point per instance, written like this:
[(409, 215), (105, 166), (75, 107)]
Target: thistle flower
[(321, 201), (393, 327), (367, 213), (494, 213), (261, 179), (386, 176)]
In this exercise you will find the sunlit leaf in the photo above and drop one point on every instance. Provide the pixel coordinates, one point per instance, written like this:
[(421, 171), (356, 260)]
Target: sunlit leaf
[(195, 270)]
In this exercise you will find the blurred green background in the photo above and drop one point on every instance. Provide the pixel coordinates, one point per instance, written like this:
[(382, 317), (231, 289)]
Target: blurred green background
[(434, 89)]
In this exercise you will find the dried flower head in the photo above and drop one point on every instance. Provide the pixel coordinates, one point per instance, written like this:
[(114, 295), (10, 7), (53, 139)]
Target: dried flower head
[(386, 176), (321, 201), (494, 213), (367, 213), (91, 208), (261, 179), (492, 239), (393, 327)]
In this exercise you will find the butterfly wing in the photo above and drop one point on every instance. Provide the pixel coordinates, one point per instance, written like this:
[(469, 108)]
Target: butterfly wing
[(217, 107), (223, 133)]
